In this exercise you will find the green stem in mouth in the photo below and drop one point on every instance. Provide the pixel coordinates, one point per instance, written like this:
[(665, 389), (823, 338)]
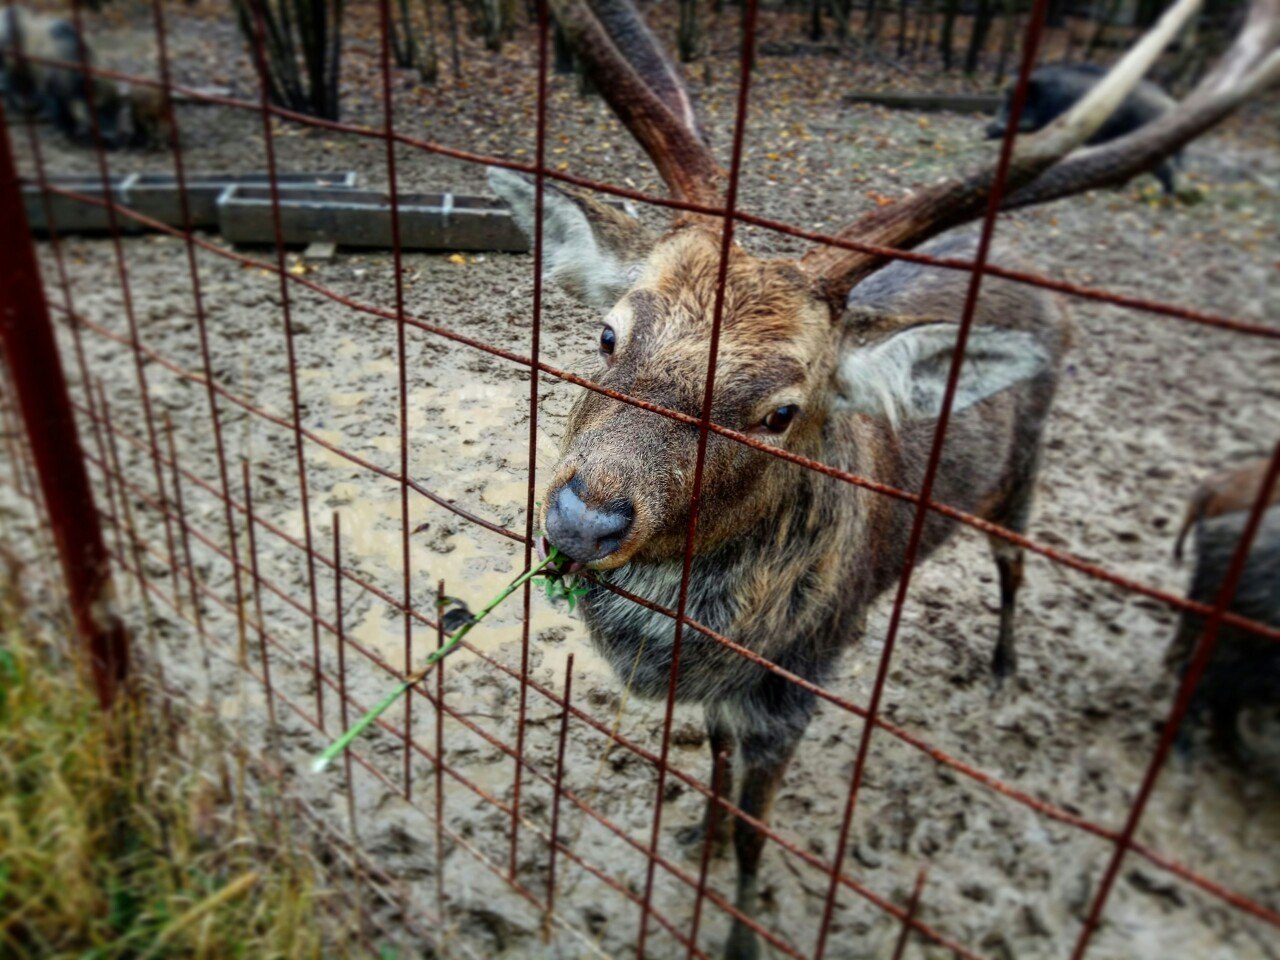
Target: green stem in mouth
[(344, 741)]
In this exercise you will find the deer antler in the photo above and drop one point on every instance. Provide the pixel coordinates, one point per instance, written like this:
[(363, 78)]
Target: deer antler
[(948, 204), (1250, 65), (645, 90)]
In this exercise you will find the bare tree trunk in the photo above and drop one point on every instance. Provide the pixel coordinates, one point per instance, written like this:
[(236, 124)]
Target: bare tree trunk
[(689, 37), (451, 15), (842, 11), (978, 35), (404, 48), (924, 30), (302, 51), (493, 28), (429, 66), (1007, 36), (510, 13), (873, 22), (1108, 16), (902, 29), (815, 20), (563, 49), (948, 31)]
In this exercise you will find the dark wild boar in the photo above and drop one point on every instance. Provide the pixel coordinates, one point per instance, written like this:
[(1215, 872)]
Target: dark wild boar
[(1054, 90), (1244, 669), (59, 93)]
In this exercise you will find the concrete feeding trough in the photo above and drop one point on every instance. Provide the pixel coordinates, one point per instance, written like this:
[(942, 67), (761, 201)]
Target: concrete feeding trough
[(156, 195), (76, 216), (362, 218)]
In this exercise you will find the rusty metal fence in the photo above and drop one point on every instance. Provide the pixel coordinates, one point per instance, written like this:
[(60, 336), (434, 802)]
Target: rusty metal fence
[(67, 451)]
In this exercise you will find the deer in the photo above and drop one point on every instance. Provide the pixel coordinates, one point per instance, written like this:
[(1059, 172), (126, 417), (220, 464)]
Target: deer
[(1227, 491), (841, 357)]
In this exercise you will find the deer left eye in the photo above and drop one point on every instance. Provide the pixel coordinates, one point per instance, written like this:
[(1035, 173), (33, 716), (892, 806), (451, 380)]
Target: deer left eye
[(778, 420), (608, 340)]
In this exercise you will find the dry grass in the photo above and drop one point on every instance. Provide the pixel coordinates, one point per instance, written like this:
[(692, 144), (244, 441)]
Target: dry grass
[(135, 849)]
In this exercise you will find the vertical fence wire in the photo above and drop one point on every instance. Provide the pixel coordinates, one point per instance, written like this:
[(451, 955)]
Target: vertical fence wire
[(179, 555), (170, 115), (1031, 46), (746, 62), (268, 135), (535, 341), (388, 114)]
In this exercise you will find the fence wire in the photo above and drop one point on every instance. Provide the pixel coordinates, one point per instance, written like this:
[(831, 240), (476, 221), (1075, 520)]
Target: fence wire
[(205, 565)]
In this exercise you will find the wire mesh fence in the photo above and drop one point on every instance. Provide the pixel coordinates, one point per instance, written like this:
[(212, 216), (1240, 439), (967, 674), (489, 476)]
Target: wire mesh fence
[(274, 573)]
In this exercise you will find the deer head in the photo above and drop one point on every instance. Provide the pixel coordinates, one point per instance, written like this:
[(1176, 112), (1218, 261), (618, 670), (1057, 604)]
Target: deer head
[(789, 356)]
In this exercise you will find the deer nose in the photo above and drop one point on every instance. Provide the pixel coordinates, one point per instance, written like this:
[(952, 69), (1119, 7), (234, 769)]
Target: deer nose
[(586, 533)]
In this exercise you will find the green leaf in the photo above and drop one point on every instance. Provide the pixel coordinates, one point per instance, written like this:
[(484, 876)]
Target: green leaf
[(341, 744)]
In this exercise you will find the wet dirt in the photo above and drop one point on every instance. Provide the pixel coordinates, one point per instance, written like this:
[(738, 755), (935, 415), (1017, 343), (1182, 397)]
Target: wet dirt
[(1149, 404)]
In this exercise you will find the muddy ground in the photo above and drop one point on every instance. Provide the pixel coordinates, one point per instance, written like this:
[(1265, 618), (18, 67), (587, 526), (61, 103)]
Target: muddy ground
[(1148, 406)]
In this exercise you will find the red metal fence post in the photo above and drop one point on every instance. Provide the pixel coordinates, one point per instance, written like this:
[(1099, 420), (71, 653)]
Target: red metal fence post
[(35, 369)]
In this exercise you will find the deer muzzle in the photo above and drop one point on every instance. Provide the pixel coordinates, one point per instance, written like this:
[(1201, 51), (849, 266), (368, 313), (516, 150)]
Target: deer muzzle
[(586, 533)]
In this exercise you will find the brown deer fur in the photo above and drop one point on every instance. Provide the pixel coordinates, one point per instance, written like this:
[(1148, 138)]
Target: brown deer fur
[(1224, 492), (787, 560)]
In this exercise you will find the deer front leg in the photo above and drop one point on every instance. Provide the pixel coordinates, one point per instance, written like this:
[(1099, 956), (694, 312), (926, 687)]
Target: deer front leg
[(1009, 561), (716, 825), (759, 785), (769, 725)]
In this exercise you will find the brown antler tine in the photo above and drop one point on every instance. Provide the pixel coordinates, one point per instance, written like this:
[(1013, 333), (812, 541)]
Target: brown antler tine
[(638, 44), (1250, 65), (956, 201), (644, 90)]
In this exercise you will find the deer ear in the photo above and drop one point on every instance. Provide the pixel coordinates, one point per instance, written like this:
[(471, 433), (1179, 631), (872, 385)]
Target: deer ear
[(593, 250), (904, 376)]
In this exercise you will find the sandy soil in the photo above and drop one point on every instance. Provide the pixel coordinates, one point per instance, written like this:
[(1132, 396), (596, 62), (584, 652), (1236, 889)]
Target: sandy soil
[(1149, 405)]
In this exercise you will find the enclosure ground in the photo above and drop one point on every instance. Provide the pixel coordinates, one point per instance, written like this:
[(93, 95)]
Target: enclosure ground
[(1149, 405)]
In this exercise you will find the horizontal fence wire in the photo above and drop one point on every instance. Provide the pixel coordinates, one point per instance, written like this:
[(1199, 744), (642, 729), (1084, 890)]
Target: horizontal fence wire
[(1082, 291), (164, 571)]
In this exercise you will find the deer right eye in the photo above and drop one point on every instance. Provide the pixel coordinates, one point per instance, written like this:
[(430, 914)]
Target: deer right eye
[(608, 340), (778, 420)]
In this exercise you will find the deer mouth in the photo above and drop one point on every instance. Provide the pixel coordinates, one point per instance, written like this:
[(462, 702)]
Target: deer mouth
[(544, 548)]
